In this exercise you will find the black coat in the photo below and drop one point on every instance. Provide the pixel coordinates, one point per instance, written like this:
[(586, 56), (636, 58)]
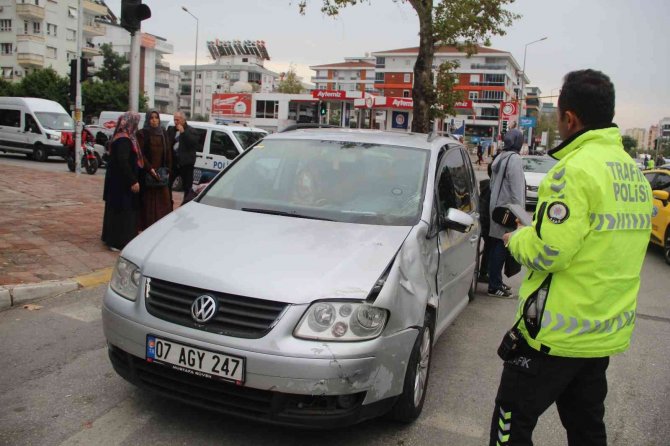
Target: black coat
[(188, 143)]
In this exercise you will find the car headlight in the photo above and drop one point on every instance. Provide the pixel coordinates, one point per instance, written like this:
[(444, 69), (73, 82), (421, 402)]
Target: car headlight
[(341, 321), (126, 279), (54, 136)]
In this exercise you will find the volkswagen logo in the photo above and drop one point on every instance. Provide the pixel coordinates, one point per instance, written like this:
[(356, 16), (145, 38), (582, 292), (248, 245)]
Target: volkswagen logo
[(203, 308)]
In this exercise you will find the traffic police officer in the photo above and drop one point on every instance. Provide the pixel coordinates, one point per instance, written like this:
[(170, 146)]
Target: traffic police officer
[(584, 253)]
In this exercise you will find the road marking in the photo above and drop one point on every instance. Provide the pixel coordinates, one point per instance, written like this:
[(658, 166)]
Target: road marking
[(467, 427), (95, 278), (114, 427), (79, 311)]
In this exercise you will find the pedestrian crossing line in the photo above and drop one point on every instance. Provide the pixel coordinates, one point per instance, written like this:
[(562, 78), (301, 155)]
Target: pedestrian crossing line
[(114, 427)]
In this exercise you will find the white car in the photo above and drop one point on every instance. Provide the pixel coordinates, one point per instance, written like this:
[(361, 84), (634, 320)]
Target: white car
[(535, 168)]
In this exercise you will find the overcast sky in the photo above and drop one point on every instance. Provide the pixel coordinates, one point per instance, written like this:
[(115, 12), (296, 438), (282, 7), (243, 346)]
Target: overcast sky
[(626, 39)]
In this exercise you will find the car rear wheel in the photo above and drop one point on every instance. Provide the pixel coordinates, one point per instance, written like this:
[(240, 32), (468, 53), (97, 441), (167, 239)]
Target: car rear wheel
[(409, 405), (39, 154)]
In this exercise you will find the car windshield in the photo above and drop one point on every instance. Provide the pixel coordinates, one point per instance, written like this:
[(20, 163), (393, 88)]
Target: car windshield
[(247, 139), (331, 180), (55, 121), (538, 165)]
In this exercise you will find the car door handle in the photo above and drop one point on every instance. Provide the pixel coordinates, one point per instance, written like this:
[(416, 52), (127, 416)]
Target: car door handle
[(474, 239), (197, 155), (209, 157)]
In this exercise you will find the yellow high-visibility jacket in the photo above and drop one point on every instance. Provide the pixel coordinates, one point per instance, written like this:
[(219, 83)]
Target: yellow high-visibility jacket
[(585, 249)]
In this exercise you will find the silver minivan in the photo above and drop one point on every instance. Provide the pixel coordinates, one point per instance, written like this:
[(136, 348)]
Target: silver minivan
[(307, 284)]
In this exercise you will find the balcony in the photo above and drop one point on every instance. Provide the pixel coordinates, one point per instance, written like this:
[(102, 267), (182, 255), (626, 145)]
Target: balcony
[(94, 30), (161, 83), (162, 66), (29, 11), (90, 50), (30, 60), (30, 50), (94, 7)]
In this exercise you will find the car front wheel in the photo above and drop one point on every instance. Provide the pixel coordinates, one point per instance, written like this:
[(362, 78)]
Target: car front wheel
[(409, 405), (666, 247)]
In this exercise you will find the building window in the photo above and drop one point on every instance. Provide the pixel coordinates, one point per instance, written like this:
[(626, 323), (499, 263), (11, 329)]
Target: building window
[(255, 77), (198, 89), (72, 12), (198, 76), (5, 25), (473, 95), (208, 74), (197, 103), (379, 78), (7, 72), (245, 59), (51, 29), (267, 109), (51, 52), (492, 96), (380, 62), (406, 93), (26, 26), (37, 28), (474, 79), (406, 78), (71, 55), (235, 76), (5, 48), (71, 34)]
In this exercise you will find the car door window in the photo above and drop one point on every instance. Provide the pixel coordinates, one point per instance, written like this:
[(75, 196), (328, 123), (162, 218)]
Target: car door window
[(651, 177), (31, 125), (222, 145), (662, 182), (453, 187)]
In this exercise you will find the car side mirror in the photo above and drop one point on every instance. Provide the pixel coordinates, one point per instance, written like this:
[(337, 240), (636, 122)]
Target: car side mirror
[(662, 195), (457, 220)]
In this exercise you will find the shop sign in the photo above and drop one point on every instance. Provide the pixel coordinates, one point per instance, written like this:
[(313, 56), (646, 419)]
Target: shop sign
[(507, 109), (329, 94), (399, 120), (463, 104)]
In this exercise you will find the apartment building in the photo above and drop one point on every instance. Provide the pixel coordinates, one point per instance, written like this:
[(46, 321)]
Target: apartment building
[(37, 34), (533, 101), (652, 134), (237, 68), (485, 79), (354, 74), (156, 79), (638, 135)]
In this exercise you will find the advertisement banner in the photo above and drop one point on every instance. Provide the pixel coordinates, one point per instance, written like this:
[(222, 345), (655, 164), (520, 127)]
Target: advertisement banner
[(528, 121), (463, 104), (399, 120), (458, 127), (231, 104)]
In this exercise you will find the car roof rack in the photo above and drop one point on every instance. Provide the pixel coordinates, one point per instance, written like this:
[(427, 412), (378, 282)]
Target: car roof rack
[(311, 125)]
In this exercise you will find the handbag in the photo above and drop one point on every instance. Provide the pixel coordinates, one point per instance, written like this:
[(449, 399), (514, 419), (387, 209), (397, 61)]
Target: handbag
[(512, 267), (163, 172)]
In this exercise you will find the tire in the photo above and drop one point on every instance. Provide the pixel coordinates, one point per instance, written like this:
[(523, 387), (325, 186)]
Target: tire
[(70, 163), (475, 276), (666, 246), (40, 154), (99, 159), (409, 405), (91, 165)]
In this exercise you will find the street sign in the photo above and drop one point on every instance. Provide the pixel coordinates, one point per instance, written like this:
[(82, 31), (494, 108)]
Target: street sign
[(528, 121)]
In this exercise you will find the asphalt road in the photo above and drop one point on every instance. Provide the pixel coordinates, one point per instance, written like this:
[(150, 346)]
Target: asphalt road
[(57, 386)]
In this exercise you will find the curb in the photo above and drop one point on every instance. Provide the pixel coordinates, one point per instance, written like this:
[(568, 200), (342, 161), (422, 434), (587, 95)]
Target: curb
[(16, 295)]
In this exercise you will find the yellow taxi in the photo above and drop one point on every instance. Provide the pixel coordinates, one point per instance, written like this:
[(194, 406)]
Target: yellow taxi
[(660, 217)]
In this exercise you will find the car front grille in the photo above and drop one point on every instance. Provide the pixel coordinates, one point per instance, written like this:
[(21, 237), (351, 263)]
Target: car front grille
[(238, 316)]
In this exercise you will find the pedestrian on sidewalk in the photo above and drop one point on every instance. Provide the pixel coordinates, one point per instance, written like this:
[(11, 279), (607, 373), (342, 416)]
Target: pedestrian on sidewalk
[(155, 201), (480, 154), (183, 142), (122, 188)]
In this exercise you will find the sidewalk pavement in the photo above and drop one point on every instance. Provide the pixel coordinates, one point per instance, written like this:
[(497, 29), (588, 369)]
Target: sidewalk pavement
[(50, 226)]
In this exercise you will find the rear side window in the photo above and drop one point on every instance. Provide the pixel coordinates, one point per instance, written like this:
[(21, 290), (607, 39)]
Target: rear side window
[(200, 134), (222, 145), (10, 118), (454, 189)]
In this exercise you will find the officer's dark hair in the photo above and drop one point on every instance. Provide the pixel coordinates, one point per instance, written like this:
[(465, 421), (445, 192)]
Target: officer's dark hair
[(590, 95)]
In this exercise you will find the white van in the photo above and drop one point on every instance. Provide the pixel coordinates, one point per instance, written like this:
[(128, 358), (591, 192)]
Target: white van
[(33, 126), (108, 119), (218, 145)]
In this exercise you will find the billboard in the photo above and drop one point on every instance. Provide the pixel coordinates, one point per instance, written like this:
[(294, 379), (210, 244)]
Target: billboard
[(528, 121), (232, 104)]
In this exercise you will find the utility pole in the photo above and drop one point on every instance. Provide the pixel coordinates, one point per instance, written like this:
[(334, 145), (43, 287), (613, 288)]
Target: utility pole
[(78, 124)]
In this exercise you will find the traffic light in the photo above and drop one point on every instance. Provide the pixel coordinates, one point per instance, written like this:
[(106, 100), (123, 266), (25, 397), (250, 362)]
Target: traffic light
[(323, 109), (132, 14), (85, 65), (73, 79), (504, 127)]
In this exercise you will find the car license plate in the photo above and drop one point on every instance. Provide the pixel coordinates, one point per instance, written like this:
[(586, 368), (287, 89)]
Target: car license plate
[(195, 361)]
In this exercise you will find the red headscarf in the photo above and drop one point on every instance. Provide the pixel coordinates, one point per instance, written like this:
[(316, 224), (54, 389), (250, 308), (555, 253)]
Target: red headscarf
[(126, 127)]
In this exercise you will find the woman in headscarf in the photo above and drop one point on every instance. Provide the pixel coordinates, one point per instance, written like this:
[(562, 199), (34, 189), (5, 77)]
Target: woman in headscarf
[(122, 188), (155, 197)]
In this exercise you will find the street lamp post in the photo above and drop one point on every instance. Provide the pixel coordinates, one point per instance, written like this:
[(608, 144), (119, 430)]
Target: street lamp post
[(523, 85), (195, 67)]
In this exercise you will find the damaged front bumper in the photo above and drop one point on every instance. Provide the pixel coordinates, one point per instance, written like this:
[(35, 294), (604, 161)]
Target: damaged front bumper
[(288, 381)]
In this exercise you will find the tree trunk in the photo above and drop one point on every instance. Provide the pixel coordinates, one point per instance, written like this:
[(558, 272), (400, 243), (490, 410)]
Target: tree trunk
[(423, 92)]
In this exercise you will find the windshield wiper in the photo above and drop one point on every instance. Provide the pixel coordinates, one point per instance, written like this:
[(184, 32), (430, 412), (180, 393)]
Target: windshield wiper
[(284, 213)]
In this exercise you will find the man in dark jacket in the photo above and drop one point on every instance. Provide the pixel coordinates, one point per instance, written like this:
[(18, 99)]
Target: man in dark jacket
[(184, 142)]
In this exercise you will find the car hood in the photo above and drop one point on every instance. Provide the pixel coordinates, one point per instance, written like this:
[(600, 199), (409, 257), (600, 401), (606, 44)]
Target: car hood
[(534, 178), (286, 259)]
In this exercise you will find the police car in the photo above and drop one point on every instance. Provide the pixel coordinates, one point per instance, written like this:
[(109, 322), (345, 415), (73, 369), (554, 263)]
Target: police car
[(660, 217)]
